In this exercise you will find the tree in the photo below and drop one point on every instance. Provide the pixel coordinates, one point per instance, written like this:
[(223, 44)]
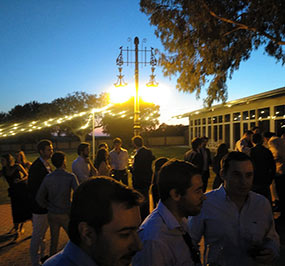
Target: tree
[(119, 122), (75, 103), (206, 40), (28, 111)]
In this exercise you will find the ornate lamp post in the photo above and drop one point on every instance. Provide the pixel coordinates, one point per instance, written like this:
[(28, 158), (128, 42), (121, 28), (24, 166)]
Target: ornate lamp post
[(120, 82)]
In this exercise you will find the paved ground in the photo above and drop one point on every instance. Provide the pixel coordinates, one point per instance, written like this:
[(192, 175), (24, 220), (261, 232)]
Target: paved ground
[(17, 254)]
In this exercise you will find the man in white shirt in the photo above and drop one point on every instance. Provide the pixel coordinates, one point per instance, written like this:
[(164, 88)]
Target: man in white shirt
[(82, 166), (119, 158), (165, 234), (237, 223)]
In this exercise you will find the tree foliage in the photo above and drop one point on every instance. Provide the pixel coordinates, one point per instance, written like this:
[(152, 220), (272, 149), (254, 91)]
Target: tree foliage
[(167, 130), (29, 110), (60, 107), (119, 123), (79, 102), (207, 40)]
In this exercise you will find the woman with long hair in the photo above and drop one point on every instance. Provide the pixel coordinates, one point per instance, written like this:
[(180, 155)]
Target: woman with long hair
[(102, 162), (16, 177), (221, 152), (21, 159)]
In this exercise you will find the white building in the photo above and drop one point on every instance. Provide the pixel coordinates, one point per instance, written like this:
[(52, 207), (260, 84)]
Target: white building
[(227, 122)]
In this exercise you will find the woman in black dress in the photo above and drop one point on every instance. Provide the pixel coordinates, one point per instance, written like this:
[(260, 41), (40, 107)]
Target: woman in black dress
[(16, 176)]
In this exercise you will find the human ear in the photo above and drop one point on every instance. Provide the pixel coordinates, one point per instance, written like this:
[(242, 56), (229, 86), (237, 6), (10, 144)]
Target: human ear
[(174, 195), (87, 233)]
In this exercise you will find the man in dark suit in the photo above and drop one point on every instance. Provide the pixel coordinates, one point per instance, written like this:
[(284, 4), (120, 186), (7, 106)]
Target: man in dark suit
[(142, 170), (264, 167), (39, 169)]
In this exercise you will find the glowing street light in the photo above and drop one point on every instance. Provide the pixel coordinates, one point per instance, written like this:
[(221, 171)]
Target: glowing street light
[(120, 82)]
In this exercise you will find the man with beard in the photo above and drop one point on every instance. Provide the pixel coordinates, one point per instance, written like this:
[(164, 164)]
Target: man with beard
[(237, 224), (165, 234), (82, 166), (103, 225)]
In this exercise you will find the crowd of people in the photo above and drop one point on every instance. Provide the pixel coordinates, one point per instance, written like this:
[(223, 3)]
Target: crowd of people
[(159, 216)]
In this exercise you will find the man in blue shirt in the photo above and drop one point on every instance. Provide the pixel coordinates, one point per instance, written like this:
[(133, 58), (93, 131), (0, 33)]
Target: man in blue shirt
[(165, 235), (103, 225), (54, 194)]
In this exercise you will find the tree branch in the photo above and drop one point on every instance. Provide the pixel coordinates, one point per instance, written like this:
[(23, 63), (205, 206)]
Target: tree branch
[(242, 26)]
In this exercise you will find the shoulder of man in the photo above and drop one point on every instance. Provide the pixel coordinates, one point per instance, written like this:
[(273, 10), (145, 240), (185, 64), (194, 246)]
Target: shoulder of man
[(36, 166), (124, 150)]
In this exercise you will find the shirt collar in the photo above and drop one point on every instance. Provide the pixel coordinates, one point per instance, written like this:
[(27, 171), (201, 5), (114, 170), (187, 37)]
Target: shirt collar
[(169, 218), (76, 254), (43, 161), (223, 194)]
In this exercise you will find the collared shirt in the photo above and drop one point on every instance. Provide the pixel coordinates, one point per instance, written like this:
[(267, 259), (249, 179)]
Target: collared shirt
[(230, 233), (71, 255), (55, 191), (81, 169), (163, 242), (46, 164), (119, 160)]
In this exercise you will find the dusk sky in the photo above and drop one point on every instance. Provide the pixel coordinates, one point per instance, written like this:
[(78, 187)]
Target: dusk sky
[(50, 48)]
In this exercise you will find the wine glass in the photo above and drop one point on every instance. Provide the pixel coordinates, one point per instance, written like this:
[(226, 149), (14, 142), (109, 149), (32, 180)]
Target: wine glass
[(214, 254)]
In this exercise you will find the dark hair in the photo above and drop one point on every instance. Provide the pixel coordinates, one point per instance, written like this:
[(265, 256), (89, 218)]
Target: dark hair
[(254, 128), (248, 132), (82, 146), (138, 141), (103, 145), (257, 138), (175, 174), (57, 159), (159, 162), (195, 143), (268, 135), (101, 156), (92, 203), (8, 157), (117, 140), (43, 144), (233, 156), (204, 138), (222, 149)]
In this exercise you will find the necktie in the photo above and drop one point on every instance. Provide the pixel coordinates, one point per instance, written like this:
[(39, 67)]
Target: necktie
[(195, 253)]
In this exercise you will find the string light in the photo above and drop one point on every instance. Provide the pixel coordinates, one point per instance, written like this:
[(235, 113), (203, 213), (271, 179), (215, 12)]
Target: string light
[(17, 128)]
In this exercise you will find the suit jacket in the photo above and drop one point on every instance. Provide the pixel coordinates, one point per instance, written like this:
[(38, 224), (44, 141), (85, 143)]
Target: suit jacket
[(264, 166), (142, 168), (208, 158), (36, 176)]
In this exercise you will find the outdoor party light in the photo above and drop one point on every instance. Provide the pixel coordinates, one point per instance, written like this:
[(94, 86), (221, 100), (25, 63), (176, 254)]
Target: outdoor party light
[(120, 82)]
